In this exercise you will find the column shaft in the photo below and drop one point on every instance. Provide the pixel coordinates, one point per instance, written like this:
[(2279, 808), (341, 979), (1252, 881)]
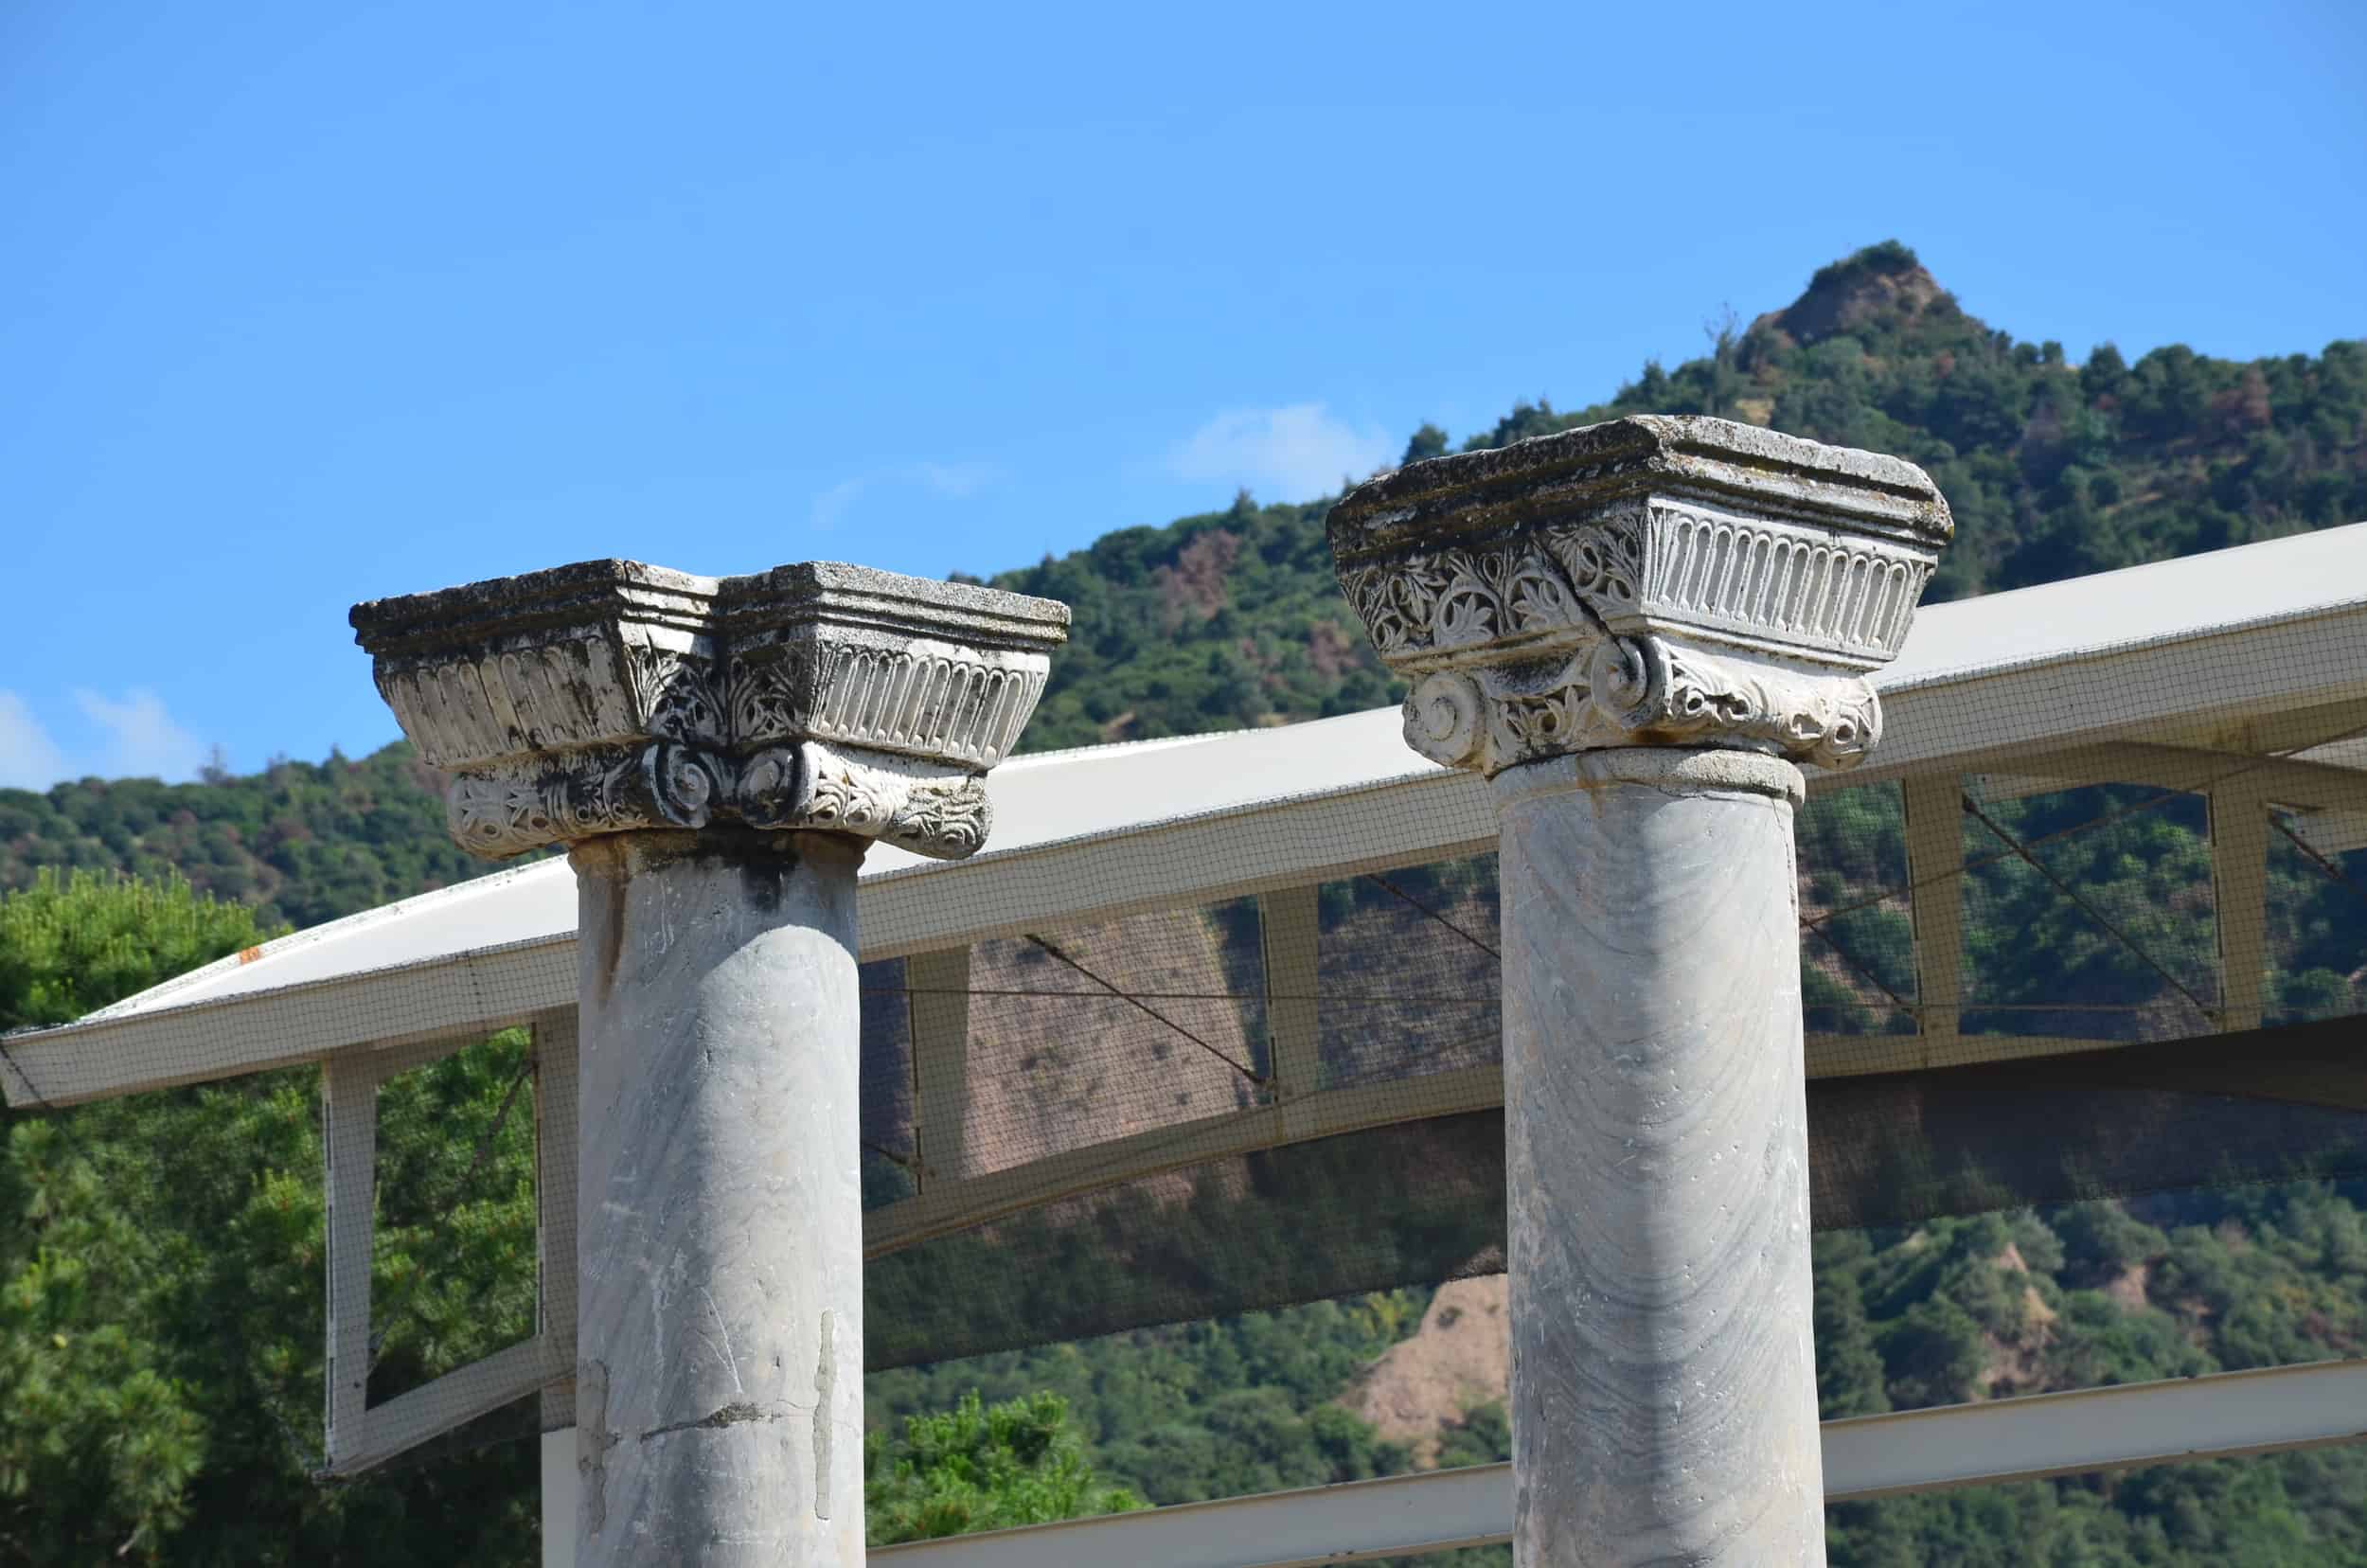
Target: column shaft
[(1663, 1371), (720, 1329)]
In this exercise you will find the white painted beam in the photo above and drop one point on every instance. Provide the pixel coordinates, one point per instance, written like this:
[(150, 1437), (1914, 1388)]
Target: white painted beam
[(2229, 684), (349, 1148), (1428, 815), (1935, 901), (1832, 1055), (2244, 688), (2223, 1414), (360, 1434), (452, 1400), (555, 1122), (937, 1020), (2291, 781), (2239, 883), (471, 995), (2216, 1416), (1290, 925), (558, 1499), (1350, 1522)]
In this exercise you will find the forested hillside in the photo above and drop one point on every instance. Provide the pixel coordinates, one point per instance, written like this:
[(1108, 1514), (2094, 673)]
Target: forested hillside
[(1232, 619), (301, 843), (159, 1267), (2052, 469)]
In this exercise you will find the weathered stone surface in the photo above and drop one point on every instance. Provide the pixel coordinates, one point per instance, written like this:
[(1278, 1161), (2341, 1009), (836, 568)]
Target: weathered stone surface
[(1635, 628), (610, 695), (1663, 1371), (717, 753), (1650, 581), (718, 1389)]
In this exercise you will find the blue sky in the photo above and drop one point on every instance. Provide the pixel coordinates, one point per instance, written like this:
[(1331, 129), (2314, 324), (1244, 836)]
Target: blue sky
[(303, 304)]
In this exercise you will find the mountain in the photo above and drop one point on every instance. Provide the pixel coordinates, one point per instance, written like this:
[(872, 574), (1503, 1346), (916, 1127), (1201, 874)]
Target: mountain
[(1231, 619), (1226, 620), (2052, 469), (301, 842)]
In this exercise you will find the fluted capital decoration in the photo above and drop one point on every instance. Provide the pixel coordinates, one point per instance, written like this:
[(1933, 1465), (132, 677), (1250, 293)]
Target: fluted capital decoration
[(1653, 580), (611, 696)]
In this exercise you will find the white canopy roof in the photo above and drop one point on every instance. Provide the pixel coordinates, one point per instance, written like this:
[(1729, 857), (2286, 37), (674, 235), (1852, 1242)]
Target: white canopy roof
[(2205, 652)]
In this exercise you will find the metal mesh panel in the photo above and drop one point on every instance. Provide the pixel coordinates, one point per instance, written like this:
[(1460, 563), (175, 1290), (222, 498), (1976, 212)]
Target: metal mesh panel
[(1407, 976), (1416, 1201), (2099, 939), (888, 1126), (1857, 973), (1419, 1201), (1081, 1034), (2088, 918), (452, 1243)]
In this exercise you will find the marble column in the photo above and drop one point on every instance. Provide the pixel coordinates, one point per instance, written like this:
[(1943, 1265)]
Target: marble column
[(716, 754), (1639, 631)]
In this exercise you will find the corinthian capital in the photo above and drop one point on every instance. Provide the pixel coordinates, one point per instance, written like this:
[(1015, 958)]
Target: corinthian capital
[(1653, 580), (611, 696)]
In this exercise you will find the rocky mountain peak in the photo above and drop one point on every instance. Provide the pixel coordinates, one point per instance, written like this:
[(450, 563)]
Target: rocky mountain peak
[(1880, 281)]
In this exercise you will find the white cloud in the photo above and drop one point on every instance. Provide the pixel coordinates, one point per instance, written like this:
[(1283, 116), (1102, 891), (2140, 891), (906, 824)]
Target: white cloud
[(831, 504), (30, 760), (953, 481), (1293, 453), (141, 739), (956, 480), (134, 737)]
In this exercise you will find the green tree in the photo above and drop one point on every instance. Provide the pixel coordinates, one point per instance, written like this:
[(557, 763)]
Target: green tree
[(1429, 441), (160, 1269), (980, 1467), (76, 941), (98, 1438), (161, 1278)]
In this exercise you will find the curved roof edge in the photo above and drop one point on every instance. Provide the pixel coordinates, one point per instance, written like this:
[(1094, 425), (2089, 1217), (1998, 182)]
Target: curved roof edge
[(1068, 823)]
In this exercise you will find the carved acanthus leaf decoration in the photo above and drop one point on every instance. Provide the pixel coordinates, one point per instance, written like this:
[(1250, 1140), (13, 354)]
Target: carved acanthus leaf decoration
[(1627, 620), (1604, 558), (677, 691), (770, 696), (1422, 609)]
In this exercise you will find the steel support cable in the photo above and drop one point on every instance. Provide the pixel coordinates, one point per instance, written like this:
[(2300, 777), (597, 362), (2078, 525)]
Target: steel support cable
[(1913, 1010), (2017, 848), (2332, 870), (1431, 913), (1145, 1008), (2105, 820)]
